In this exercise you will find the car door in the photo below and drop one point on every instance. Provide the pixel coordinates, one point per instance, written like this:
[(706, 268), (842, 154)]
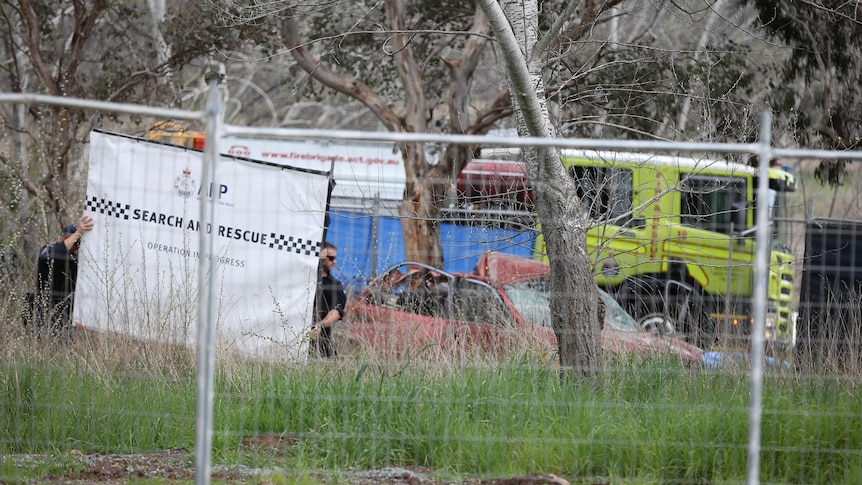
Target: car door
[(403, 313), (481, 323)]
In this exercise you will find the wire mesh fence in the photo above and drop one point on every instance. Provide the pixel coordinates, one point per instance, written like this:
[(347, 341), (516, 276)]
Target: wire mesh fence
[(445, 373)]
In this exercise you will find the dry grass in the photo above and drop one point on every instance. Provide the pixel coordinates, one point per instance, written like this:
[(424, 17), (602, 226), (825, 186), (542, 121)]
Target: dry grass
[(525, 349), (832, 342)]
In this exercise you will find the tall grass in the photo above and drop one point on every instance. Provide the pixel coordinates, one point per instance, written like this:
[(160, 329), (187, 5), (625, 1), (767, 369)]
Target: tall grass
[(648, 421)]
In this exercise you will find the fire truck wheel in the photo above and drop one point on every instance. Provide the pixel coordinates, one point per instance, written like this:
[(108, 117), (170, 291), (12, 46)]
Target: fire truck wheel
[(676, 309)]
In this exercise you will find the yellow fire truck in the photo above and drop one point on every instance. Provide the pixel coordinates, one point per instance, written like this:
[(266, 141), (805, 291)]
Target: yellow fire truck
[(672, 238)]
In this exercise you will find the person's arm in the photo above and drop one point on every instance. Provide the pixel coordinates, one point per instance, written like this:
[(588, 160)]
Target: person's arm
[(72, 239), (337, 312), (334, 315), (331, 318), (84, 225), (328, 321)]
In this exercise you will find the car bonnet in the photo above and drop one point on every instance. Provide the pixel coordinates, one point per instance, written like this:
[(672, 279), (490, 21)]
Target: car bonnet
[(500, 268)]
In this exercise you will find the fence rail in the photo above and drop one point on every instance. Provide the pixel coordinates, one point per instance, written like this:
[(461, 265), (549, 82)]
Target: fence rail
[(308, 415)]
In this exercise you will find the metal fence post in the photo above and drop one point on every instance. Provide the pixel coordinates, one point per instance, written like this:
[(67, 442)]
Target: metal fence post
[(207, 268), (761, 260)]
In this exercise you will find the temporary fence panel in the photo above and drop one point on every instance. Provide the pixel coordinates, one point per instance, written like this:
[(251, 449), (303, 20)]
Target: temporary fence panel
[(438, 413), (830, 307)]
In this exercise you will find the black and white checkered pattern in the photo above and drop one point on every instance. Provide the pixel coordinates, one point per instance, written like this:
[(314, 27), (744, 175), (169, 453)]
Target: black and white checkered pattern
[(107, 207), (294, 244)]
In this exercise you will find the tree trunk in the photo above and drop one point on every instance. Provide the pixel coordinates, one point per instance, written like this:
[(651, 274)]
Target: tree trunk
[(574, 297), (417, 210), (419, 215)]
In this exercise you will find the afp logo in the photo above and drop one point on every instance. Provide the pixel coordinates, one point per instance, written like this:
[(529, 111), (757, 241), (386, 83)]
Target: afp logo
[(219, 192), (239, 151), (185, 184)]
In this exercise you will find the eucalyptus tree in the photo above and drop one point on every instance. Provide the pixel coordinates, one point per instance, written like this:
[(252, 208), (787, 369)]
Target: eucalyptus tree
[(576, 310), (93, 49), (411, 63), (818, 89)]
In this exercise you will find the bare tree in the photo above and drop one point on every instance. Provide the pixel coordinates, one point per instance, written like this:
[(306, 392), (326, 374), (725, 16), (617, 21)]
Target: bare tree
[(95, 49), (415, 50), (574, 299)]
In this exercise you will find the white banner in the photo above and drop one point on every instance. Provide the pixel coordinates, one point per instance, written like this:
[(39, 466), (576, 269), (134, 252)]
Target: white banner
[(360, 169), (138, 270)]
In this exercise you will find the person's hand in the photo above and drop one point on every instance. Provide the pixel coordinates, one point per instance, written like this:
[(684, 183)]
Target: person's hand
[(85, 224), (315, 332)]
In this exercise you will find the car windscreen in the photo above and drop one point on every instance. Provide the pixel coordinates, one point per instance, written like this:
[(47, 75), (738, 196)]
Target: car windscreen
[(532, 299), (616, 317)]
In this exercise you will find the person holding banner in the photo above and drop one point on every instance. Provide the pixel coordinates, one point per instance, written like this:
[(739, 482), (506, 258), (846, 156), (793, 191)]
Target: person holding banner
[(329, 302), (57, 272)]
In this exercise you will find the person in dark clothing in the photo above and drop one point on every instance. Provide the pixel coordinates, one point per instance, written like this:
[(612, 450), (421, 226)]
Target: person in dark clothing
[(57, 272), (329, 302)]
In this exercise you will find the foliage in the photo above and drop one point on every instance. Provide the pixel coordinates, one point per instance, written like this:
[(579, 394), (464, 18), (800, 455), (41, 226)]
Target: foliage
[(352, 37), (636, 91), (108, 51), (819, 84), (666, 71)]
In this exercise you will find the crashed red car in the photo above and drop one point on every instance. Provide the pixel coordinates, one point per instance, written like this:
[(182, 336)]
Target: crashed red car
[(499, 310)]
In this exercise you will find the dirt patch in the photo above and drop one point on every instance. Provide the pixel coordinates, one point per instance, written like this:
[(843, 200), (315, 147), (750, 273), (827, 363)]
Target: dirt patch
[(169, 465), (165, 466), (178, 465)]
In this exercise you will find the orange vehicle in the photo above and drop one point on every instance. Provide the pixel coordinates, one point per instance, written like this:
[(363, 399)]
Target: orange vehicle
[(175, 134)]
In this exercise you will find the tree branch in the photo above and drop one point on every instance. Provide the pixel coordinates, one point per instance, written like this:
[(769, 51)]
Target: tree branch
[(498, 109), (517, 68), (333, 80), (85, 22), (406, 66), (461, 72), (588, 18), (33, 35)]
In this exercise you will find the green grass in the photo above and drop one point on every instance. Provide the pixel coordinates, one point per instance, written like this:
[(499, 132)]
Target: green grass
[(649, 423), (44, 408)]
